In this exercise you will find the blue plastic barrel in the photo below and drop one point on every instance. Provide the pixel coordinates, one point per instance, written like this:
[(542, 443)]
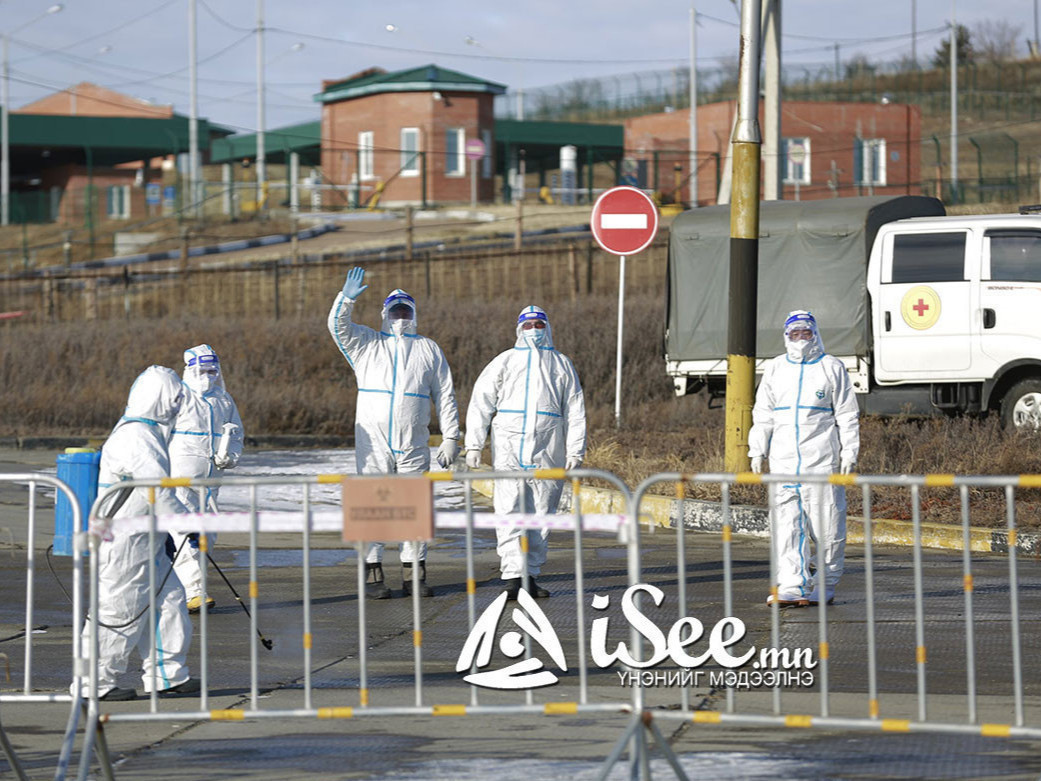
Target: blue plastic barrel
[(78, 469)]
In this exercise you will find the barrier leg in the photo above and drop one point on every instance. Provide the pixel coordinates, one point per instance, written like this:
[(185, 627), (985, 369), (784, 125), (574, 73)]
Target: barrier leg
[(67, 743), (12, 758), (619, 748), (664, 747), (90, 731), (104, 758)]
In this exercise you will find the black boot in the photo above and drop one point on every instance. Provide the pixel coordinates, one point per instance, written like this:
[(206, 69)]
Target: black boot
[(406, 580), (512, 586), (536, 590), (375, 588)]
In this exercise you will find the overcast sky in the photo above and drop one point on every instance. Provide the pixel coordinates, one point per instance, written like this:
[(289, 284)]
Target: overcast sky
[(141, 46)]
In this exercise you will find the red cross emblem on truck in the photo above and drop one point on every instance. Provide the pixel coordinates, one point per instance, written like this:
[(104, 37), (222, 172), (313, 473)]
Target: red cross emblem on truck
[(921, 308)]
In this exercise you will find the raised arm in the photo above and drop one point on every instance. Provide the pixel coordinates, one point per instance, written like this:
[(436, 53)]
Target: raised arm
[(350, 337)]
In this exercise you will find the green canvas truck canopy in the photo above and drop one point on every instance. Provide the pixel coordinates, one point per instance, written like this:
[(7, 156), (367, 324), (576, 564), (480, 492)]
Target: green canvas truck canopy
[(812, 255)]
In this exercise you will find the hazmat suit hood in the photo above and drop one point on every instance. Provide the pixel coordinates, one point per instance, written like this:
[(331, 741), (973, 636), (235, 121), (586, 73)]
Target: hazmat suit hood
[(802, 351), (395, 326), (155, 397), (536, 337), (199, 364)]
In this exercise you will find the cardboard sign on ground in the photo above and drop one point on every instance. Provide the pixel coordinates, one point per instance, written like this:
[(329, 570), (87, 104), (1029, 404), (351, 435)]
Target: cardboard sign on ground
[(388, 509)]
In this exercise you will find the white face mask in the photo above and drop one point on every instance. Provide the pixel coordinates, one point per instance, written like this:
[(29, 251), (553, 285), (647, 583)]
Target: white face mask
[(535, 336), (398, 327), (207, 381)]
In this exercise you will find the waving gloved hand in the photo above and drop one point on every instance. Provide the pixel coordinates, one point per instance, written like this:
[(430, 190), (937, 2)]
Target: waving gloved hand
[(473, 458), (757, 464), (447, 452), (354, 285), (573, 462)]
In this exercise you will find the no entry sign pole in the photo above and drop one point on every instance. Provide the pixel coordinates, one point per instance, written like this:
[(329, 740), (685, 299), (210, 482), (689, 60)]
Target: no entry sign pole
[(624, 222)]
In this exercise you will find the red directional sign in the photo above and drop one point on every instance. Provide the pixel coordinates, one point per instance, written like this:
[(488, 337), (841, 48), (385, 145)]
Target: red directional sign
[(624, 220)]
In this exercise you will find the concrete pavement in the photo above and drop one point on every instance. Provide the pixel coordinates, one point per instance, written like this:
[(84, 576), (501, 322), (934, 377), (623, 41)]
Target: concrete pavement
[(535, 747)]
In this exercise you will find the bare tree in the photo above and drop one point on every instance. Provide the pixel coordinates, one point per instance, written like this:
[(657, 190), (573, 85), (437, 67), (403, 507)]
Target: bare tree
[(995, 40)]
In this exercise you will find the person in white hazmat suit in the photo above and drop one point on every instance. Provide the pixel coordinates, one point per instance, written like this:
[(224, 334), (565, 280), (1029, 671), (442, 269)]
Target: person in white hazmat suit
[(137, 449), (531, 397), (399, 374), (195, 451), (806, 421)]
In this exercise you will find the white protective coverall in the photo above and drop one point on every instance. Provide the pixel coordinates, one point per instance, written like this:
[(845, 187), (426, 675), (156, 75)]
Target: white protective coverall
[(532, 398), (193, 448), (136, 449), (806, 421), (399, 374)]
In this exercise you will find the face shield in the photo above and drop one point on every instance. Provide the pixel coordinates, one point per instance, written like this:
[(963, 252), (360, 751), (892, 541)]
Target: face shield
[(533, 326), (202, 372), (802, 341), (399, 313)]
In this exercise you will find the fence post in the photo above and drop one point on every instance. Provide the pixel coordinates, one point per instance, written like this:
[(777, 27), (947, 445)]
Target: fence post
[(91, 294), (408, 237), (589, 268), (66, 248), (294, 239), (183, 268), (572, 267), (274, 270), (517, 237)]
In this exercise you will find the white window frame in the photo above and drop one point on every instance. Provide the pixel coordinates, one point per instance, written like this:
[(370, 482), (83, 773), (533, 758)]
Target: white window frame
[(460, 151), (366, 167), (872, 150), (486, 161), (797, 173), (409, 168), (124, 201)]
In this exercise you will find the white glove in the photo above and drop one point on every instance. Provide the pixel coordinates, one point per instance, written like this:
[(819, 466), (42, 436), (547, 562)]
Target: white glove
[(473, 458), (846, 465), (757, 464), (225, 462), (447, 452), (574, 462)]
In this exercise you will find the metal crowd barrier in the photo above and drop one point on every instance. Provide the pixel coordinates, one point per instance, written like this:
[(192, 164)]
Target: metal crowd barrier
[(872, 719), (27, 695), (310, 520)]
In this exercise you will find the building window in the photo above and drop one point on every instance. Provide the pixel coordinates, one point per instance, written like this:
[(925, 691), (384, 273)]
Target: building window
[(796, 165), (486, 161), (455, 161), (410, 151), (117, 200), (870, 161), (929, 257), (365, 162)]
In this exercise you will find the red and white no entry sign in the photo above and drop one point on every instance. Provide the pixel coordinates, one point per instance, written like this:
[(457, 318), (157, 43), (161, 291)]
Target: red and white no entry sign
[(624, 220)]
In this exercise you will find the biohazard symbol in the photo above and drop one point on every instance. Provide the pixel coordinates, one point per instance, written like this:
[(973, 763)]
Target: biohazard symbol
[(524, 674), (920, 307)]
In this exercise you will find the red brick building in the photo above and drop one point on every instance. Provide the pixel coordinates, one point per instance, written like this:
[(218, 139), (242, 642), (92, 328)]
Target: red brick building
[(404, 134), (827, 149)]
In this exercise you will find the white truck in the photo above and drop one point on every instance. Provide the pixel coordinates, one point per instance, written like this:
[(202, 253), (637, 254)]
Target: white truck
[(931, 314)]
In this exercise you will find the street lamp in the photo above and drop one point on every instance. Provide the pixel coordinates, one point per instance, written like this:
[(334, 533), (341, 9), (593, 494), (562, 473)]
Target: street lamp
[(5, 151)]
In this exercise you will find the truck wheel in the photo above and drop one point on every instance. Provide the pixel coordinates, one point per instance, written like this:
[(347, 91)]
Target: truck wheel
[(1021, 406)]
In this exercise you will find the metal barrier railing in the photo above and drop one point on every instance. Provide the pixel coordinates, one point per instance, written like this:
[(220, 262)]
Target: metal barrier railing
[(26, 695), (920, 721), (310, 520)]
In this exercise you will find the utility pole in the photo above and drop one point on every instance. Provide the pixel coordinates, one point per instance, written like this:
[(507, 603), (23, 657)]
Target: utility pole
[(261, 162), (771, 31), (5, 162), (914, 34), (954, 105), (693, 144), (837, 66), (744, 248), (193, 116)]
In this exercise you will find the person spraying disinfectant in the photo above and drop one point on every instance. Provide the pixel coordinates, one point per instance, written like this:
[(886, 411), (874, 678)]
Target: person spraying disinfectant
[(207, 439)]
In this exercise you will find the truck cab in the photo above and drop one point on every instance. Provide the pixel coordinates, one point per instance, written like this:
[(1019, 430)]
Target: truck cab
[(955, 304)]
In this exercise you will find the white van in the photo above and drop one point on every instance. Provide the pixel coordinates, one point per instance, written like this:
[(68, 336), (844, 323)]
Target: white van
[(929, 313)]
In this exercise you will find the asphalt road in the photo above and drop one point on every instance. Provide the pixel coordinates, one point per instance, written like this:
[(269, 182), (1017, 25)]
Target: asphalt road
[(535, 747)]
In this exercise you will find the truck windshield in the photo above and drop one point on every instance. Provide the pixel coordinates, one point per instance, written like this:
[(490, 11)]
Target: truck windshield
[(1015, 255)]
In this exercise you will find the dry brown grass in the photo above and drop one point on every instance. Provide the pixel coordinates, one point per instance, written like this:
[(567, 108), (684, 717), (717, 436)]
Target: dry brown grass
[(288, 377)]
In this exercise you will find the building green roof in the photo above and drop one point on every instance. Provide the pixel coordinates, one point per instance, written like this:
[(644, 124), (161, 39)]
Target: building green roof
[(304, 139), (427, 78)]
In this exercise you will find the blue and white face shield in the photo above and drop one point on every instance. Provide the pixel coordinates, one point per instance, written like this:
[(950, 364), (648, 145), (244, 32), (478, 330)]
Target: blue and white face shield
[(533, 325), (202, 371), (399, 313), (802, 341)]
